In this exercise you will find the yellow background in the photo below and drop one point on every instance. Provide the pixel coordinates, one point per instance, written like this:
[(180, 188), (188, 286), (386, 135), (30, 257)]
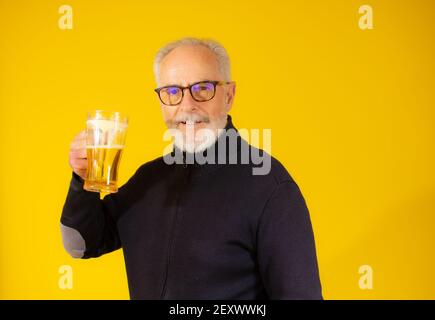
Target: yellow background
[(351, 113)]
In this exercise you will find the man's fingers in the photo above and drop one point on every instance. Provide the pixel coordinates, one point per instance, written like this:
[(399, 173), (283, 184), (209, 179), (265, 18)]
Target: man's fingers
[(78, 153), (79, 139), (77, 144), (79, 164)]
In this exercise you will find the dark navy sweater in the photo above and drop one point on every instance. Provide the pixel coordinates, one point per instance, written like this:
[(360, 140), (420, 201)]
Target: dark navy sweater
[(201, 231)]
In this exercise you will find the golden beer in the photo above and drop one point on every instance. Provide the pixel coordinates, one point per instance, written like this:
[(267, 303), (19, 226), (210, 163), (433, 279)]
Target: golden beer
[(103, 164), (105, 139)]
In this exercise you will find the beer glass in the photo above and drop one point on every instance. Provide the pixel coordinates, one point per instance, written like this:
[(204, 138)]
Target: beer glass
[(105, 140)]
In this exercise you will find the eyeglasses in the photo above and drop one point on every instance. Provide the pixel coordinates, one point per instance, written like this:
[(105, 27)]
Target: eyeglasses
[(200, 91)]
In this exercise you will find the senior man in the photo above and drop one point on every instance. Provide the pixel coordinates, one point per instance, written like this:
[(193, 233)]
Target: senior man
[(193, 230)]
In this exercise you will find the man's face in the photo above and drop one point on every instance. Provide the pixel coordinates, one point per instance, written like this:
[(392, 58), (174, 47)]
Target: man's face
[(186, 65)]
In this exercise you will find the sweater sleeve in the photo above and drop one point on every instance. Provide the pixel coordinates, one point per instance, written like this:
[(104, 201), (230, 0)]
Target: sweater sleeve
[(286, 249), (88, 223)]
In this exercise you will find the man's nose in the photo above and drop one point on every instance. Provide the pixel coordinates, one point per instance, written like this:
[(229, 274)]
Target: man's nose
[(188, 103)]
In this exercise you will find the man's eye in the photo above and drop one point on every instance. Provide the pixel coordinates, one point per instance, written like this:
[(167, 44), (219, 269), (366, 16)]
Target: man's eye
[(202, 86), (173, 90)]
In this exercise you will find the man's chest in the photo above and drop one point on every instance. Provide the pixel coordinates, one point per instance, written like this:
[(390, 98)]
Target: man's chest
[(200, 219)]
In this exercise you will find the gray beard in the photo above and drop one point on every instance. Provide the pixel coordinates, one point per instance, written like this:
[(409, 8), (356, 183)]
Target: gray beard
[(196, 146), (199, 146)]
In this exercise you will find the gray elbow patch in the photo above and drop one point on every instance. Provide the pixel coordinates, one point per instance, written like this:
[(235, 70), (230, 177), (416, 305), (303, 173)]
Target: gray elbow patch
[(73, 241)]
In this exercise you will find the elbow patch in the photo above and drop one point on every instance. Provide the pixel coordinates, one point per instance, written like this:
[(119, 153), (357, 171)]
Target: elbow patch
[(73, 241)]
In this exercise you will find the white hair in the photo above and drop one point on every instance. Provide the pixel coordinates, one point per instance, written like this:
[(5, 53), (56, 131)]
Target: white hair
[(218, 50)]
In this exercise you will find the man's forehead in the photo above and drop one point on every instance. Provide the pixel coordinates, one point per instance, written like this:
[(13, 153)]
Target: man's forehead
[(188, 64)]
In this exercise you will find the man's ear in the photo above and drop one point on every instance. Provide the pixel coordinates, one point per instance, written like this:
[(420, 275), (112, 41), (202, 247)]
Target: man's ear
[(230, 95)]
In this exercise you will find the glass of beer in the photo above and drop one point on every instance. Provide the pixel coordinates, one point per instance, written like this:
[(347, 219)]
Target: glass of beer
[(105, 140)]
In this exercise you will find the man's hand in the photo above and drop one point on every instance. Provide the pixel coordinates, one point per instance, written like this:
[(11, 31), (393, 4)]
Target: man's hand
[(77, 154)]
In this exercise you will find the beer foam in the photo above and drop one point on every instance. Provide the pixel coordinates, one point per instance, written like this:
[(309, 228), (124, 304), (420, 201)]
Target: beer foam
[(110, 146), (106, 125)]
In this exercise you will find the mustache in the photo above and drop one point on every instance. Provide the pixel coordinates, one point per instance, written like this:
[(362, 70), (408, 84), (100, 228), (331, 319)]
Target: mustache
[(183, 117)]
